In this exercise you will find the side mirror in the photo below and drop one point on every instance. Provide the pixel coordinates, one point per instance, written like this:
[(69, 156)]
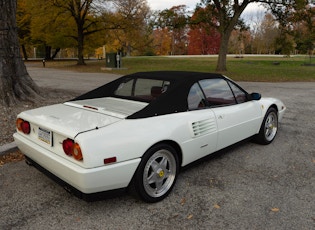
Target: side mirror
[(255, 96)]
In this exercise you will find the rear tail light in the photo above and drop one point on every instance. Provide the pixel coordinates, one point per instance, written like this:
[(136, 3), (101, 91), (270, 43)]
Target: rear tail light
[(67, 146), (72, 149), (77, 154), (19, 122), (23, 126)]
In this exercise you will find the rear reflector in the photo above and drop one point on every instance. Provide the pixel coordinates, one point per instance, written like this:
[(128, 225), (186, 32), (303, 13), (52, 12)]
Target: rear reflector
[(110, 160)]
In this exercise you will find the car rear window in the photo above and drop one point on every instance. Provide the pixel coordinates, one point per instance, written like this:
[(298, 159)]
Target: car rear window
[(142, 89)]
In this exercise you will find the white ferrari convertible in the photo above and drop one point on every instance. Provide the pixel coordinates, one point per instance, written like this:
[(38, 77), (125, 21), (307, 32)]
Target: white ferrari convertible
[(138, 131)]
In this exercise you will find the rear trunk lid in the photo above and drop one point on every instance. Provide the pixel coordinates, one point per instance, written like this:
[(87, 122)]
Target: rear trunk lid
[(72, 118)]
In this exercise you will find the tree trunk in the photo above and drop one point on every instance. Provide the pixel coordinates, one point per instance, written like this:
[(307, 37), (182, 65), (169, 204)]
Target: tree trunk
[(24, 53), (221, 64), (55, 53), (47, 52), (80, 44), (15, 82), (226, 26)]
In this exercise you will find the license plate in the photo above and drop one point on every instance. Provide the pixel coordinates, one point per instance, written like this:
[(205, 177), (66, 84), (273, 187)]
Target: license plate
[(45, 135)]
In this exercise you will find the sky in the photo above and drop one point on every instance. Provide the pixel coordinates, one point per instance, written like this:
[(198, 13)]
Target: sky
[(166, 4)]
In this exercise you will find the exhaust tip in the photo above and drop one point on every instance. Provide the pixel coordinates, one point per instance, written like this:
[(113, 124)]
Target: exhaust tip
[(28, 162)]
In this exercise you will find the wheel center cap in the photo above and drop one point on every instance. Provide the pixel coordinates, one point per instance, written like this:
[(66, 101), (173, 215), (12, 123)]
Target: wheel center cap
[(160, 173)]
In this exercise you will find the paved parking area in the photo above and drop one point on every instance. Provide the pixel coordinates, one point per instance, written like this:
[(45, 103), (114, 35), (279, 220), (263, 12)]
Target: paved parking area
[(68, 80), (246, 187)]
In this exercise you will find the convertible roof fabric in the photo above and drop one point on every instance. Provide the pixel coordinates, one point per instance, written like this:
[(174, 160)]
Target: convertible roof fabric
[(174, 100)]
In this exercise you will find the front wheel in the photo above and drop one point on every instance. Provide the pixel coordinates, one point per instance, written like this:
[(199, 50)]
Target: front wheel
[(156, 174), (269, 127)]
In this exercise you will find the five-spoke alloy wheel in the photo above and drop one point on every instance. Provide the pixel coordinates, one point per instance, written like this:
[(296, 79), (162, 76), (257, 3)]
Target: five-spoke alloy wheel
[(157, 173), (269, 127)]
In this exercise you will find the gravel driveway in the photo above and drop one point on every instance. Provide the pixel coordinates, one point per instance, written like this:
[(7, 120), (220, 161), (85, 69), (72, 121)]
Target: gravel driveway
[(246, 187)]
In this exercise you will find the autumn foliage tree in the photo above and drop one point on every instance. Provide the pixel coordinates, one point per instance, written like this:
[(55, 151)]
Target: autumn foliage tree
[(131, 30), (304, 29), (203, 37), (81, 11), (228, 13), (162, 41), (62, 23), (264, 37), (49, 29), (176, 21)]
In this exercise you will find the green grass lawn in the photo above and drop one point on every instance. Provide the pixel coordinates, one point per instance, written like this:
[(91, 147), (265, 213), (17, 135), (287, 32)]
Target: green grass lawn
[(268, 69)]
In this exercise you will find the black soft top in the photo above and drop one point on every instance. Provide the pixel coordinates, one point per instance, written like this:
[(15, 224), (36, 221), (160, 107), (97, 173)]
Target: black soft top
[(172, 101)]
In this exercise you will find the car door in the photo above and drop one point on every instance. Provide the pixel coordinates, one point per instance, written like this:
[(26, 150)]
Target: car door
[(236, 117), (202, 126)]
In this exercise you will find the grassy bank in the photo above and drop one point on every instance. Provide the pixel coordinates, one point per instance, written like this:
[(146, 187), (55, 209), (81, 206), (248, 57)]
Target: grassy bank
[(269, 69)]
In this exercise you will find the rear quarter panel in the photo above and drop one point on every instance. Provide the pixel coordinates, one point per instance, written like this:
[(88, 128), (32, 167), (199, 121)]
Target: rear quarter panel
[(131, 138)]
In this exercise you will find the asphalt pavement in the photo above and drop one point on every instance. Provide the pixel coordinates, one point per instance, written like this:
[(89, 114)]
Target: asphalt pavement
[(248, 186), (68, 80)]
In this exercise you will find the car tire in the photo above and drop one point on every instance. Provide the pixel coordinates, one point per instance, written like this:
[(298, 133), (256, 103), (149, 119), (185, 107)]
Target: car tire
[(269, 127), (156, 174)]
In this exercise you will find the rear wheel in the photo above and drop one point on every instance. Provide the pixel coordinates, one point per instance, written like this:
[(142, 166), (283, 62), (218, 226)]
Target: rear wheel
[(269, 127), (156, 174)]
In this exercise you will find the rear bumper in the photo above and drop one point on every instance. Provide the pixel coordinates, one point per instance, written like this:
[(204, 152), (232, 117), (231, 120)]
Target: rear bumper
[(72, 190), (86, 181)]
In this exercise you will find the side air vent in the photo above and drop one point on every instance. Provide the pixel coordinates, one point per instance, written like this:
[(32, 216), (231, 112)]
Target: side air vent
[(203, 127)]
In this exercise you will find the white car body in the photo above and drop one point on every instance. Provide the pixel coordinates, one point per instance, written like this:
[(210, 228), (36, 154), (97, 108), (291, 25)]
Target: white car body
[(102, 129)]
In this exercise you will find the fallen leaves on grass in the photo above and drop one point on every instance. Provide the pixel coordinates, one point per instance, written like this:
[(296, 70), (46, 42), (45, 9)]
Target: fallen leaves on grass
[(11, 157)]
